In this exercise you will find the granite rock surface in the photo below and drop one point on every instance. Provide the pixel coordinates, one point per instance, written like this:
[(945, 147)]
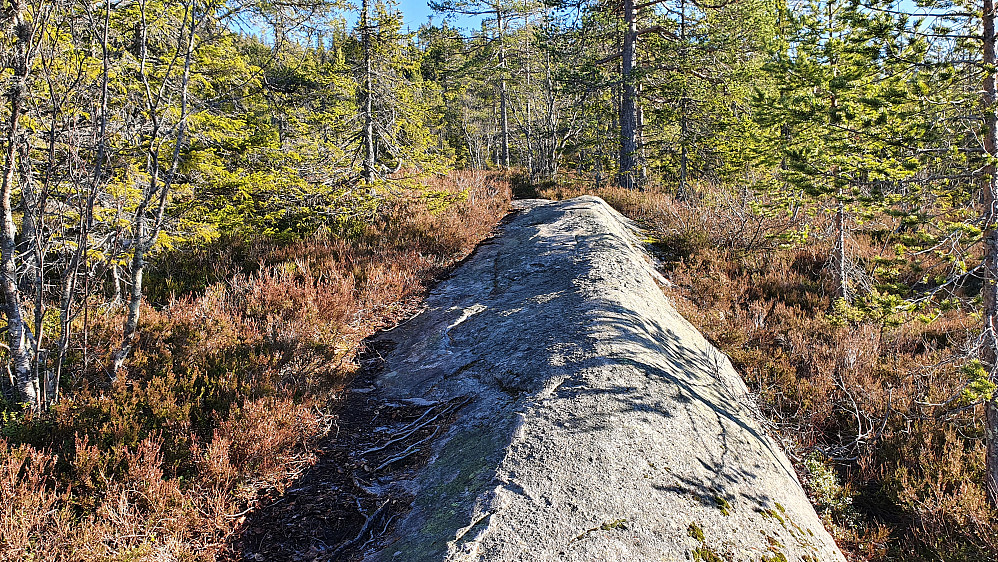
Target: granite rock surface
[(595, 422)]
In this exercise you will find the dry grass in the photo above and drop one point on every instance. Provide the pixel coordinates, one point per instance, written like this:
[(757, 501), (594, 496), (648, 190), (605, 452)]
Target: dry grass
[(230, 384)]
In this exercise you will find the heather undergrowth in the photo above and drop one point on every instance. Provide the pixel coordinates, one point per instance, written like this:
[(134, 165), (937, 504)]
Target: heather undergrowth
[(874, 403), (243, 351)]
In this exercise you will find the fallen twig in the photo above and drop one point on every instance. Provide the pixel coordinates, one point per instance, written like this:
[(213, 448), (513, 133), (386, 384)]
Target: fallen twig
[(411, 450), (368, 520)]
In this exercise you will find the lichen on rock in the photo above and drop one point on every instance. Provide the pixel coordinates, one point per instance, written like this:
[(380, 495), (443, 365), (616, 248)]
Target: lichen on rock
[(596, 423)]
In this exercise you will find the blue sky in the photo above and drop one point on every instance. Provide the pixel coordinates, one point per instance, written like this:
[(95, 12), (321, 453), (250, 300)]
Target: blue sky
[(416, 12)]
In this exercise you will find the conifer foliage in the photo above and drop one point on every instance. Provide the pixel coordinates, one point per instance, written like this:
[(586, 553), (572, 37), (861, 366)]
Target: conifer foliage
[(206, 204)]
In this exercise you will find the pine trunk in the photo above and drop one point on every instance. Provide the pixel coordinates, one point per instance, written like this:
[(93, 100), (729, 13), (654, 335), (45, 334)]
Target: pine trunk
[(368, 105), (503, 93), (628, 113), (684, 193), (989, 199), (642, 165)]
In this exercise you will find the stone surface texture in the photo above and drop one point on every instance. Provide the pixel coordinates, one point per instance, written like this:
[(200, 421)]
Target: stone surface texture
[(600, 424)]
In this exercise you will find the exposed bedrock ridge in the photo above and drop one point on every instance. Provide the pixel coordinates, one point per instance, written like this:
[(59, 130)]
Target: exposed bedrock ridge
[(599, 423)]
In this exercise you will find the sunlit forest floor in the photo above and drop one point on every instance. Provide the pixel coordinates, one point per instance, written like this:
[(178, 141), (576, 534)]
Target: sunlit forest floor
[(247, 343)]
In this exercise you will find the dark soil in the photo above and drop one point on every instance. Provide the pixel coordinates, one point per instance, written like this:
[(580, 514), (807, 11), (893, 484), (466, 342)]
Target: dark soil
[(350, 497)]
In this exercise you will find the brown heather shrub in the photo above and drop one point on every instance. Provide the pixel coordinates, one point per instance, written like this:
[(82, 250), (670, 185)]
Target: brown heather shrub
[(264, 437), (34, 518), (232, 381), (870, 412)]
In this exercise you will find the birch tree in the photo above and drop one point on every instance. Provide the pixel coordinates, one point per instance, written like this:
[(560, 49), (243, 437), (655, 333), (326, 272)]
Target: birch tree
[(24, 26)]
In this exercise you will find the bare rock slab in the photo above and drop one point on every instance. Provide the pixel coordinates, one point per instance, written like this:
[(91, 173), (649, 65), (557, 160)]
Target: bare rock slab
[(592, 421)]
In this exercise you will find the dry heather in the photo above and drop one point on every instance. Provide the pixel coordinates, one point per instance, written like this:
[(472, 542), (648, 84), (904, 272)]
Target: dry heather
[(233, 381), (871, 405)]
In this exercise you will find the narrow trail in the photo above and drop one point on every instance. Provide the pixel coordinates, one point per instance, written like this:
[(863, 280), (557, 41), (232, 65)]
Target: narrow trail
[(549, 404)]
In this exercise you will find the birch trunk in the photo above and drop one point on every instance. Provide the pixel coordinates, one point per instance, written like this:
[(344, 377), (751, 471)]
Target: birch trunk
[(841, 264), (147, 228), (19, 337)]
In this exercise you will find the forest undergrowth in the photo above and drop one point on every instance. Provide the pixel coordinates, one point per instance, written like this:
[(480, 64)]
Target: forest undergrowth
[(872, 404), (245, 346), (247, 343)]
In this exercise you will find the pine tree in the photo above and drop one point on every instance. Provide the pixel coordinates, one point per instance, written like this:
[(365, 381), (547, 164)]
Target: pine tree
[(842, 119)]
